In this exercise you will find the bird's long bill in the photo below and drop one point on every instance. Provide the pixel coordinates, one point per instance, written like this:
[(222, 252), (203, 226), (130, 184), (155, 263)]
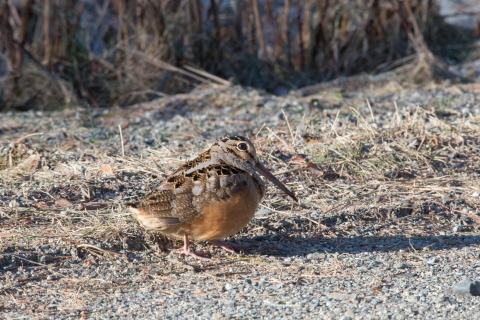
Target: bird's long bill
[(267, 174)]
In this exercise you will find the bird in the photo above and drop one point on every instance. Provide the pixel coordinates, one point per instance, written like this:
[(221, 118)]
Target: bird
[(208, 198)]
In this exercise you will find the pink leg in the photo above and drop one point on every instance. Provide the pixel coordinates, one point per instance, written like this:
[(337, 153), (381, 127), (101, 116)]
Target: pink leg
[(186, 250), (229, 246)]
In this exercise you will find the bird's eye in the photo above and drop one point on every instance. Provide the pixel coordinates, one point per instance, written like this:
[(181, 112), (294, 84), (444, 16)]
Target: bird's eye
[(242, 146)]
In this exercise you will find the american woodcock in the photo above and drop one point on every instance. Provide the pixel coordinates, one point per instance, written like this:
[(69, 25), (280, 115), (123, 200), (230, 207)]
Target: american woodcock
[(209, 198)]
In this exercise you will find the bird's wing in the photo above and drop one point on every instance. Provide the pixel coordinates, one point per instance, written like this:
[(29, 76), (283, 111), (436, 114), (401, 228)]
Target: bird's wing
[(179, 199), (172, 205)]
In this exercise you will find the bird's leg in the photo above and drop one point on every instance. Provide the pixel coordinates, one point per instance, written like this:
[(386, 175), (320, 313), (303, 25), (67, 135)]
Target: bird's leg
[(229, 246), (186, 250)]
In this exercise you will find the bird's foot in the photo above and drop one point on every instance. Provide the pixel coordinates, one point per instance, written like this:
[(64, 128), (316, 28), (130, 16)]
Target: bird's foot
[(229, 246), (193, 254), (186, 250)]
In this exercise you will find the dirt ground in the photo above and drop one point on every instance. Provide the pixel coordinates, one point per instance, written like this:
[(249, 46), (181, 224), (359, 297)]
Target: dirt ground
[(388, 218)]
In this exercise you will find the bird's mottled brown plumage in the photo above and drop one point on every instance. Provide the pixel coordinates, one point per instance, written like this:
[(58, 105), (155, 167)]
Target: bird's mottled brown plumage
[(211, 197)]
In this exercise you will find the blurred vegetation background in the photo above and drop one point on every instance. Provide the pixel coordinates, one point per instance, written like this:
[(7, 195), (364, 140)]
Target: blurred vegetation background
[(56, 53)]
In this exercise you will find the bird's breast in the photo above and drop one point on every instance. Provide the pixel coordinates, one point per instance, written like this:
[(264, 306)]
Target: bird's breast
[(223, 218)]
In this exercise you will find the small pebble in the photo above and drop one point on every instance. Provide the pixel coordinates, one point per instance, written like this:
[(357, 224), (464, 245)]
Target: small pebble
[(264, 212), (467, 288), (46, 259), (400, 265), (457, 228), (13, 204)]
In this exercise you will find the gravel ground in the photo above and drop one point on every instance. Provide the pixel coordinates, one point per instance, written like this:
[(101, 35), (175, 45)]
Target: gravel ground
[(387, 226)]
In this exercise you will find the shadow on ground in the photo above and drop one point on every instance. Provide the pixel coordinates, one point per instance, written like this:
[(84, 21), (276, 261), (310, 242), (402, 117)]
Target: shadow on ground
[(294, 246)]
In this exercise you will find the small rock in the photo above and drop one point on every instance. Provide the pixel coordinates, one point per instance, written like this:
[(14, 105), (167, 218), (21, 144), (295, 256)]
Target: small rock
[(467, 288), (228, 287), (13, 204), (349, 314), (46, 259), (433, 260), (351, 119), (457, 228), (264, 212), (475, 194), (400, 265)]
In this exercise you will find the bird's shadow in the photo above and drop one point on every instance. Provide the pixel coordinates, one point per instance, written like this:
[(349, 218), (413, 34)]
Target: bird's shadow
[(289, 246)]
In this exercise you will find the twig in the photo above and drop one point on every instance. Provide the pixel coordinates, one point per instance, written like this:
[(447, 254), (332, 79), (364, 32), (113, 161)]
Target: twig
[(396, 112), (296, 131), (289, 128), (27, 136), (367, 125), (167, 66), (335, 123), (87, 246), (280, 139), (370, 108), (121, 139), (10, 156), (256, 135), (285, 212), (208, 75)]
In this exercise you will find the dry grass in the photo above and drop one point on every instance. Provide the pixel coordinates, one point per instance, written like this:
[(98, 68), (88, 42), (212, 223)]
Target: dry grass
[(398, 176), (393, 167), (122, 52)]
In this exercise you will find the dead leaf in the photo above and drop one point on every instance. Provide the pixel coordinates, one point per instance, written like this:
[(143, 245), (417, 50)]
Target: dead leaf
[(92, 205), (40, 206), (63, 203), (106, 169), (29, 164), (435, 141), (298, 158), (376, 289), (313, 168)]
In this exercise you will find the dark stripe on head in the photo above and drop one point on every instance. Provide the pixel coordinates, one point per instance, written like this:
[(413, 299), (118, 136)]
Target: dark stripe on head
[(235, 138), (238, 138)]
